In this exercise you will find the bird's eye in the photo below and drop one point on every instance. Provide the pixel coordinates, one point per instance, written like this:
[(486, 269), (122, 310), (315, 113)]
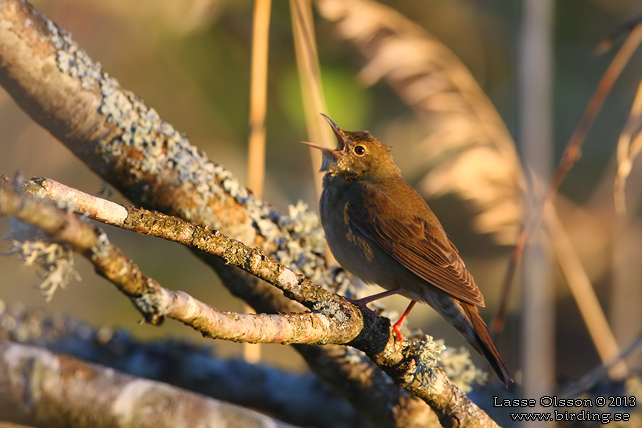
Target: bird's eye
[(359, 150)]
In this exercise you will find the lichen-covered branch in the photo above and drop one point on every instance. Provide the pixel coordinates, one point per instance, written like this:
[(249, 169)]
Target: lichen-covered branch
[(156, 302), (346, 317), (43, 389)]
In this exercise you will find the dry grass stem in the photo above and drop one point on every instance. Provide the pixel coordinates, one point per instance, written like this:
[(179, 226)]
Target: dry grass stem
[(310, 76), (311, 87), (258, 103), (258, 97), (584, 294)]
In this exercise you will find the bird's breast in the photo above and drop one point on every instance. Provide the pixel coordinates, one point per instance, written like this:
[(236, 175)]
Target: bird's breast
[(355, 251)]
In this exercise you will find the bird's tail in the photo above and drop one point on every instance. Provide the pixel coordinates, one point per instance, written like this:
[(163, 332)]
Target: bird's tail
[(484, 344)]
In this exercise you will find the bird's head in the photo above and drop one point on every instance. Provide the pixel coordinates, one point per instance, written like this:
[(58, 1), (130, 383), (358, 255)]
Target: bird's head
[(358, 157)]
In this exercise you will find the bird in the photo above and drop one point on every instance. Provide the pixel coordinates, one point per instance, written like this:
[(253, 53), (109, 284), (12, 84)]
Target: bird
[(381, 230)]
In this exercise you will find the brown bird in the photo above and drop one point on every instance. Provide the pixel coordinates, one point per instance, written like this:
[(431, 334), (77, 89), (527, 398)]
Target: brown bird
[(380, 229)]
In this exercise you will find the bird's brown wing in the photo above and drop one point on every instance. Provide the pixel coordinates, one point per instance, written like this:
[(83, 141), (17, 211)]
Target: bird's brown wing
[(415, 238)]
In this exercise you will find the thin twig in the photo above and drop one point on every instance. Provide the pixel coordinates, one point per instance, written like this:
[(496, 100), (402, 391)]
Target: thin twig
[(153, 223)]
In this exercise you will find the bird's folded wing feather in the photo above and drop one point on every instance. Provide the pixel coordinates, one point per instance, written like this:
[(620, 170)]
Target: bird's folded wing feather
[(423, 249)]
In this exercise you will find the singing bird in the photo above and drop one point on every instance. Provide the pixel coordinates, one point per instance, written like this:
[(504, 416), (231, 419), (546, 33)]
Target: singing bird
[(380, 229)]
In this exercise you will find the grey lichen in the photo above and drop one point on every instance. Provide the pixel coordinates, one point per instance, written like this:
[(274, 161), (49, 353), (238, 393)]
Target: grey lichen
[(332, 309), (55, 261), (101, 249), (302, 239), (73, 60), (427, 354)]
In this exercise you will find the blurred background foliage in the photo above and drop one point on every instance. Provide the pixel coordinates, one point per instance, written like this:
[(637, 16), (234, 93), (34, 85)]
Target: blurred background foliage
[(190, 60)]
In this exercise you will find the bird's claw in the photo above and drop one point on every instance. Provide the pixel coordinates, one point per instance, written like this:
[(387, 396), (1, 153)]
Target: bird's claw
[(396, 328)]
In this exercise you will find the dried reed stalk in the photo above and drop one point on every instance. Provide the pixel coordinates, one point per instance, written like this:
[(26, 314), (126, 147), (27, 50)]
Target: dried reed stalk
[(256, 143)]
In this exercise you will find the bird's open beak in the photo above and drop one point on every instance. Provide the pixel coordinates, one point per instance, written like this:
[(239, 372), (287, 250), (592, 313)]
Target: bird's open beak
[(320, 147), (341, 143), (330, 156)]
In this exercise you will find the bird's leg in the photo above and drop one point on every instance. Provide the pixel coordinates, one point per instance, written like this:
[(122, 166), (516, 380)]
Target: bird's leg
[(362, 303), (398, 324)]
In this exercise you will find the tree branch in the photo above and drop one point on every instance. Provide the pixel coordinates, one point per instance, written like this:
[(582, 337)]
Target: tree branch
[(43, 389)]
